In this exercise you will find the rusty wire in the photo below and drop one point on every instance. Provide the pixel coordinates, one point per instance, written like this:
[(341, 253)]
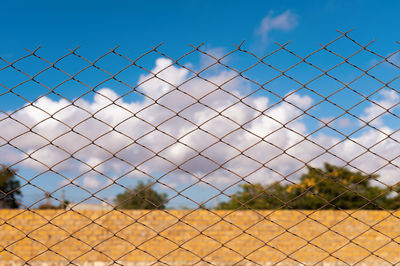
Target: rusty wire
[(217, 61)]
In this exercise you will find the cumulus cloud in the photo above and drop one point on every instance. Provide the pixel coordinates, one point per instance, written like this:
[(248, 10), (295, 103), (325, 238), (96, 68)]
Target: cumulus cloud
[(91, 182), (376, 111), (285, 21), (189, 129)]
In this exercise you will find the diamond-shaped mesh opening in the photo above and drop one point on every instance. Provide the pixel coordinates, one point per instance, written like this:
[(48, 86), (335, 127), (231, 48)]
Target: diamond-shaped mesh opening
[(304, 73), (208, 157), (260, 73), (92, 77), (35, 89), (389, 66), (11, 78), (72, 89)]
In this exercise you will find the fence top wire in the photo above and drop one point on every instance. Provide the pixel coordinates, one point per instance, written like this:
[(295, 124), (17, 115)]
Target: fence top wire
[(86, 130)]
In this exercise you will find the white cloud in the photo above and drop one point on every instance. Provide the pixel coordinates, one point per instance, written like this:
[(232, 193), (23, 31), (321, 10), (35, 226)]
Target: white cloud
[(217, 138), (285, 21), (344, 122), (91, 182), (376, 111), (167, 78)]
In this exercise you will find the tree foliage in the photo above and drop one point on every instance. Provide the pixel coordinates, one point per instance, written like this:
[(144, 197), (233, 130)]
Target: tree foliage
[(143, 196), (329, 188), (9, 189)]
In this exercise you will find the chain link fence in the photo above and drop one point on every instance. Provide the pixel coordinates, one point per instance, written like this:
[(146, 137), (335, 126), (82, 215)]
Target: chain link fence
[(211, 158)]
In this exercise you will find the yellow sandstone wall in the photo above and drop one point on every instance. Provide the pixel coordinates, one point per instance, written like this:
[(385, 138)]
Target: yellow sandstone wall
[(183, 237)]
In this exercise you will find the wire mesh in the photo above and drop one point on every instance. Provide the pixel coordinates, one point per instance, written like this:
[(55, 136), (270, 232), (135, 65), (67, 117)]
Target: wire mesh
[(84, 130)]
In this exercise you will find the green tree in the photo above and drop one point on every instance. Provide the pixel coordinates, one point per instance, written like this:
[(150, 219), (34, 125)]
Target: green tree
[(338, 188), (143, 196), (9, 189), (257, 196), (329, 188)]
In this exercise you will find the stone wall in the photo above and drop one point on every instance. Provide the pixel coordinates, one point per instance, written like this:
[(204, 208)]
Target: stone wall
[(182, 237)]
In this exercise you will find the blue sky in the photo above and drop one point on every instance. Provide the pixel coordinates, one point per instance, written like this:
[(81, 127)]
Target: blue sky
[(98, 26), (136, 25)]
